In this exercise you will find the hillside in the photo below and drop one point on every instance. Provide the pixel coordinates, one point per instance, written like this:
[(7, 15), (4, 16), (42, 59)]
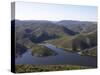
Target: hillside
[(79, 26), (79, 42), (67, 34), (39, 31)]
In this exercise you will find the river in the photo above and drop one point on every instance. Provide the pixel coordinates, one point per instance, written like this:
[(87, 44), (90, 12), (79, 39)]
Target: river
[(62, 57)]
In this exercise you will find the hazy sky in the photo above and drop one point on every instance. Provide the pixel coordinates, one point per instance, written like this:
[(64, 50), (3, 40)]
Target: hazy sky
[(54, 12)]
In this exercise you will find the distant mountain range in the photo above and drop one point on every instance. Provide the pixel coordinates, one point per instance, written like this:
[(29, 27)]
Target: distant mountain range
[(76, 26)]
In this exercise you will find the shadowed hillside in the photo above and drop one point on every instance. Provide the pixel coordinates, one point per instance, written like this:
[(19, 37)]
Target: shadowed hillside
[(67, 34)]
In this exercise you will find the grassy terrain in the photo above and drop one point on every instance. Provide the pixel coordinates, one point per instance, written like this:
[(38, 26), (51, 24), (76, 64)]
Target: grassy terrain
[(76, 43), (69, 35), (41, 51), (41, 68), (64, 42), (65, 35), (90, 52)]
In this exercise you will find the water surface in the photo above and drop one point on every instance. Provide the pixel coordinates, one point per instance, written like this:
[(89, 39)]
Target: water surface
[(62, 57)]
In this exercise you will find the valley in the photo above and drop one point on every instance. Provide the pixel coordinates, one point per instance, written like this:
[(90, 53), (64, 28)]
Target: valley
[(64, 42)]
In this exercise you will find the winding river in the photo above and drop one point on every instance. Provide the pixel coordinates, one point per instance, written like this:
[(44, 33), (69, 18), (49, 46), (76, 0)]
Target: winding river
[(62, 57)]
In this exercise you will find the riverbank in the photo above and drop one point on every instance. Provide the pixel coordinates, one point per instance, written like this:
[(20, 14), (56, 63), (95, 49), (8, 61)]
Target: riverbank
[(41, 68), (62, 57)]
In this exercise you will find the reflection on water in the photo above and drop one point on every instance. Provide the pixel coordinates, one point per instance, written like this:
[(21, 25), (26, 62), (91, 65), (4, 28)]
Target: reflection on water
[(61, 58)]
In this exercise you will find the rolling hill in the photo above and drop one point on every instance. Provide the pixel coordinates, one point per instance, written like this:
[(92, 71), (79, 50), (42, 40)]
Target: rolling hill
[(68, 34)]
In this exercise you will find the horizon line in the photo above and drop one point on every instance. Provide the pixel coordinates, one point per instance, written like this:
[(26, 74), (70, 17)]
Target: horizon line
[(53, 20)]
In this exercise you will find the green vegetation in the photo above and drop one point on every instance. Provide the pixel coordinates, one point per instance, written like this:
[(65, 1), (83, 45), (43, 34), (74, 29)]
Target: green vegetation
[(71, 36), (76, 43), (42, 51), (66, 34), (41, 68), (30, 34), (84, 41), (62, 42), (90, 52)]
